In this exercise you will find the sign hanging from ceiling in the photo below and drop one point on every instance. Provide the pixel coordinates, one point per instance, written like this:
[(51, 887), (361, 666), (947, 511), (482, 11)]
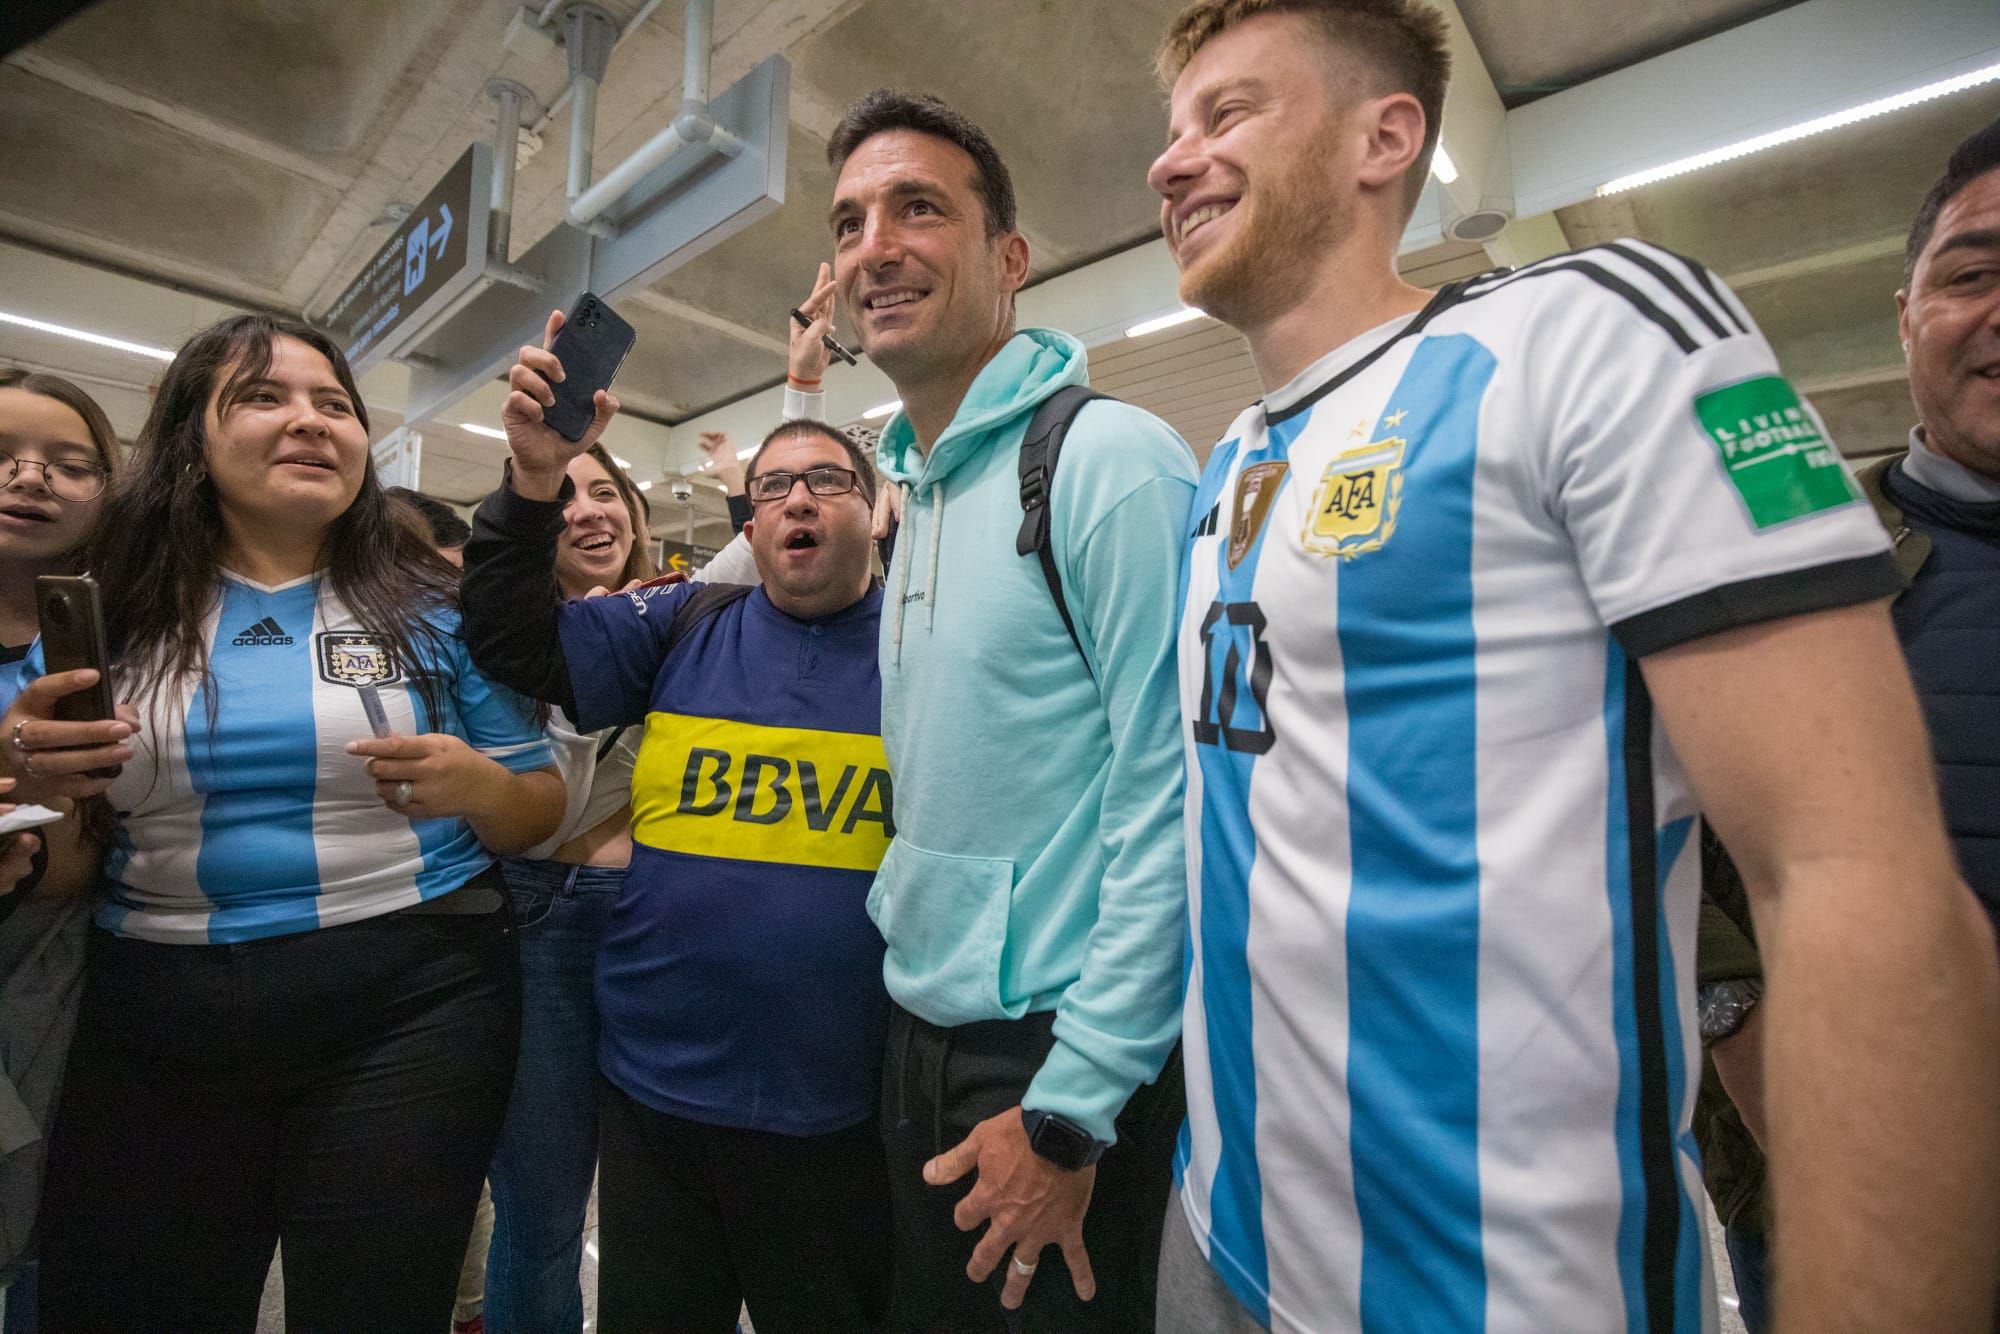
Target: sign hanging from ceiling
[(435, 255)]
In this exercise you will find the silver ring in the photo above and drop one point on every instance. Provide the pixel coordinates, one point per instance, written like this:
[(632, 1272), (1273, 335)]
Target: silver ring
[(1025, 1271), (28, 763), (400, 794), (19, 744)]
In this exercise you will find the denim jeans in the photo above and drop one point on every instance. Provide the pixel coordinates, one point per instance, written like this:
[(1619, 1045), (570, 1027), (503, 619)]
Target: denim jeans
[(547, 1155), (1750, 1262)]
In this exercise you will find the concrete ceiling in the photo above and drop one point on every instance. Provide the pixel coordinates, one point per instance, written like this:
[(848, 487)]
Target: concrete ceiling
[(240, 152)]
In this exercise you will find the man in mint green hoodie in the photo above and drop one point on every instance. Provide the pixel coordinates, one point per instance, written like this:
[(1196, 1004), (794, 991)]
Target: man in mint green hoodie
[(1033, 900)]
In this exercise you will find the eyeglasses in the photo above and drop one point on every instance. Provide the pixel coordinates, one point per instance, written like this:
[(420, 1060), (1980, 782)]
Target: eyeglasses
[(66, 479), (819, 481)]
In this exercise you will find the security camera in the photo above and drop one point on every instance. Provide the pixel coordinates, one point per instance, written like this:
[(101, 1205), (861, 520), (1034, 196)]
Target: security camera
[(683, 491)]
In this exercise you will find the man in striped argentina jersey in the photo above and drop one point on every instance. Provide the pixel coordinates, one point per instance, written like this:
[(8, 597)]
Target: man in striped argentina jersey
[(1485, 599)]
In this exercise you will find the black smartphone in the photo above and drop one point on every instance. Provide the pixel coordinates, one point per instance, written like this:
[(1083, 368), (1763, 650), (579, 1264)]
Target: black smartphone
[(591, 345), (72, 620)]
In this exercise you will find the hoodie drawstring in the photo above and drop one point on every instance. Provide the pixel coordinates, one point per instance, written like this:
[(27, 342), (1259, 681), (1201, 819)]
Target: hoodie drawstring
[(902, 584), (930, 574)]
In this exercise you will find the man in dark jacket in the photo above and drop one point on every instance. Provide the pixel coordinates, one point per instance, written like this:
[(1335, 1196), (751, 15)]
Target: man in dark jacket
[(1940, 501)]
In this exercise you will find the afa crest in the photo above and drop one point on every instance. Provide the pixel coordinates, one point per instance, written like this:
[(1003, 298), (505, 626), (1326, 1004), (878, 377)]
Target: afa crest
[(1360, 493), (349, 658)]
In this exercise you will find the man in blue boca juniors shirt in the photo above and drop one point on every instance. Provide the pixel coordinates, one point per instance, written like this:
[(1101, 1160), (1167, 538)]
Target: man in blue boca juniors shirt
[(739, 983)]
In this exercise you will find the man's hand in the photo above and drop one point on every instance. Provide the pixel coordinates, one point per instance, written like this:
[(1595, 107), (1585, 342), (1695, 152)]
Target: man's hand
[(721, 451), (56, 759), (809, 356), (541, 456), (888, 509), (1739, 1060), (447, 777), (1030, 1201)]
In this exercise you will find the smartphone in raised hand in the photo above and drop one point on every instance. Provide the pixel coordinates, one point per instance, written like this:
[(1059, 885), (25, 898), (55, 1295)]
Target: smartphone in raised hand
[(71, 613), (592, 345)]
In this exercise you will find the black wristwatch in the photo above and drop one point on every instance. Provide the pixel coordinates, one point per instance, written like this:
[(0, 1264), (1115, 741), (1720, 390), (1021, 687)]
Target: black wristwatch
[(1060, 1140), (1723, 1006)]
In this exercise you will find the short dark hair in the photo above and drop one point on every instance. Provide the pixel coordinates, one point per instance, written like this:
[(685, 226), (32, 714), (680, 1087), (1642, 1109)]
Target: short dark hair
[(1979, 154), (1406, 41), (805, 426), (446, 528), (886, 109)]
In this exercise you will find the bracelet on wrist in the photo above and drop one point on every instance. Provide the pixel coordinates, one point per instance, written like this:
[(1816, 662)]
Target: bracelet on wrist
[(802, 384)]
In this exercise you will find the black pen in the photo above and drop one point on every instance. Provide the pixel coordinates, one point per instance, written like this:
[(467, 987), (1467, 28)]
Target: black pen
[(827, 340)]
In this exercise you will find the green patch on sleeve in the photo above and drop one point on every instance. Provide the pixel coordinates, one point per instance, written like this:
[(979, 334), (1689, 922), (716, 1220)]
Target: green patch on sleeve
[(1773, 451)]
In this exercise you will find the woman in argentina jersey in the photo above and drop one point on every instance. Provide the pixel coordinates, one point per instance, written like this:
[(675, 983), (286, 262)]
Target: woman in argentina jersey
[(300, 1009)]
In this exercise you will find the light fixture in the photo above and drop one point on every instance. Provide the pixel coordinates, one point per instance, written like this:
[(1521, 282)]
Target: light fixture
[(85, 336), (626, 464), (489, 432), (645, 486), (882, 410), (749, 453), (1442, 166), (1167, 321), (1818, 125)]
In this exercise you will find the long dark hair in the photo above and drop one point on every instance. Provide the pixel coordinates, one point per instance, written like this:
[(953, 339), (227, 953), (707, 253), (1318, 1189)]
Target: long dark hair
[(158, 540), (83, 405)]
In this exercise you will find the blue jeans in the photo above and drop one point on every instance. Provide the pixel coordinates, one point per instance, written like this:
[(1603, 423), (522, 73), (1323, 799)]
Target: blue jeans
[(547, 1155), (1750, 1261)]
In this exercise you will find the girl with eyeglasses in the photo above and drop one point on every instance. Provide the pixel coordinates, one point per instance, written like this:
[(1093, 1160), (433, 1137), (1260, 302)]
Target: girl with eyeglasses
[(301, 1007)]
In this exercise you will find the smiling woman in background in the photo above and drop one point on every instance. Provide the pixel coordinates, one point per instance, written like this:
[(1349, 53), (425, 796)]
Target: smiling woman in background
[(301, 1007), (561, 890)]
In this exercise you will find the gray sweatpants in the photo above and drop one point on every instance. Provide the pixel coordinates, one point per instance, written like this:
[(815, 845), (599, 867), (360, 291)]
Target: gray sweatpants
[(1193, 1297)]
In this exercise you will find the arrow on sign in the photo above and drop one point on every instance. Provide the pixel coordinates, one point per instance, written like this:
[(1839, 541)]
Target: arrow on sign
[(678, 564), (443, 232)]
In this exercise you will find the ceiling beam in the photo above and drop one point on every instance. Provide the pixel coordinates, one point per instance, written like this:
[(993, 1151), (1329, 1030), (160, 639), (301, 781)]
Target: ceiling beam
[(692, 314), (203, 129), (1807, 266), (1805, 61)]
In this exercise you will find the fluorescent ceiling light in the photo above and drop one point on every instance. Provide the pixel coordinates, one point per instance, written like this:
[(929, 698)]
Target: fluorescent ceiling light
[(645, 486), (1181, 316), (626, 464), (882, 410), (85, 336), (489, 432), (1442, 166), (1820, 125), (749, 453)]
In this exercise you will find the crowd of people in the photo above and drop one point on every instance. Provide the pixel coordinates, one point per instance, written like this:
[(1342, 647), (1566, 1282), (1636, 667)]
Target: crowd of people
[(1331, 890)]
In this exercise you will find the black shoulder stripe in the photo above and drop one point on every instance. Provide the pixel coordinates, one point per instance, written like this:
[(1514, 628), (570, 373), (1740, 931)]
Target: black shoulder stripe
[(1713, 288), (1672, 284), (1610, 282)]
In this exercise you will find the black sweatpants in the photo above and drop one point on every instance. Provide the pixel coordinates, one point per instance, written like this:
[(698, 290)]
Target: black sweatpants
[(340, 1089), (937, 1084), (696, 1221)]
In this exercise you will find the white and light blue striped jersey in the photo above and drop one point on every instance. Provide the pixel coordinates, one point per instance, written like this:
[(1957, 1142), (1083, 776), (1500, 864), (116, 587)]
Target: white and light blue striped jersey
[(1443, 883), (260, 823)]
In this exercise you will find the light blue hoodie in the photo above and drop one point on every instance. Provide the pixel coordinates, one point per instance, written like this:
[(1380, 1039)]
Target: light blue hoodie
[(1039, 861)]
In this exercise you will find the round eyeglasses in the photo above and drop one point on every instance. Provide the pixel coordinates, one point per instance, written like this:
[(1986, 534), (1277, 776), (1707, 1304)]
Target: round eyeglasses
[(819, 481), (67, 479)]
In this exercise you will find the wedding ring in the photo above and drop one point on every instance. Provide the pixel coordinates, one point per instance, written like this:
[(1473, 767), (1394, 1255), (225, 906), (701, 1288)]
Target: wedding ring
[(19, 744), (400, 795), (1025, 1271)]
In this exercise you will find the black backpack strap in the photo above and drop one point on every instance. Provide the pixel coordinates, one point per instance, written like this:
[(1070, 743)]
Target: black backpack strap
[(1041, 447), (708, 599)]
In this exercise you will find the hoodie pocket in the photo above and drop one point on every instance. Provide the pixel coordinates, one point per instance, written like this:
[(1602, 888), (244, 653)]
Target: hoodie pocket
[(945, 921)]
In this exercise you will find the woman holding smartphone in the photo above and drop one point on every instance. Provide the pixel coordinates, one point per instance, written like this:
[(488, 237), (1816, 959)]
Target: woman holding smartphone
[(561, 889), (57, 452), (301, 1009)]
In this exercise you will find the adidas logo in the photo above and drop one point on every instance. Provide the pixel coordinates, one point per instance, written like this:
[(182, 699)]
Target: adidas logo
[(266, 631)]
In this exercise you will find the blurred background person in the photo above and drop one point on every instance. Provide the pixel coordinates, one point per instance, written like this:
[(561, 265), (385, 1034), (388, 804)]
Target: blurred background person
[(57, 452), (448, 531), (300, 1011)]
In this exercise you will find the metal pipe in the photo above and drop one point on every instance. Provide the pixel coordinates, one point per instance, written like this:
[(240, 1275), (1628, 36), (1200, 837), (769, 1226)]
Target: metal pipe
[(694, 56), (582, 135), (506, 148)]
